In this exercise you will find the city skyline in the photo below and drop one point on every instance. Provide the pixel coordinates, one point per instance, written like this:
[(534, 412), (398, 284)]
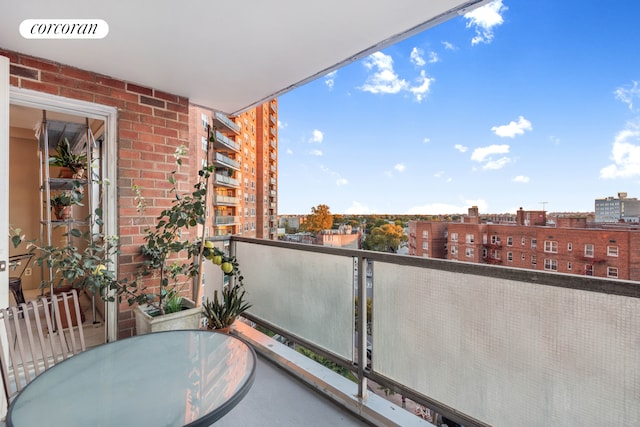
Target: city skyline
[(517, 104)]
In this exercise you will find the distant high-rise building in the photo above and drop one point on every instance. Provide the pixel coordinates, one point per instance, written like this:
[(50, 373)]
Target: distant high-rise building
[(621, 209), (244, 154)]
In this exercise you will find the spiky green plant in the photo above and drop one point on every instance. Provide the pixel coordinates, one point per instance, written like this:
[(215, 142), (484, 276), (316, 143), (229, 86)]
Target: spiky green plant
[(222, 311)]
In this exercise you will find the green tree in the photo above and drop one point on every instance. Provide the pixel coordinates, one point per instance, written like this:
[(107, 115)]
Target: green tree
[(320, 219), (385, 238)]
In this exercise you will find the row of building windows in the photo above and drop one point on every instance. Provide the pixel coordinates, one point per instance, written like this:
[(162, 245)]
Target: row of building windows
[(549, 264), (550, 246)]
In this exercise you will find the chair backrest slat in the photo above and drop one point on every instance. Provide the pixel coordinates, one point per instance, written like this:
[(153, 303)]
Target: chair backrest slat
[(33, 340)]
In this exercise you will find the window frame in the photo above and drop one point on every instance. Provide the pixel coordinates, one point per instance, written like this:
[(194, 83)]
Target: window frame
[(589, 250)]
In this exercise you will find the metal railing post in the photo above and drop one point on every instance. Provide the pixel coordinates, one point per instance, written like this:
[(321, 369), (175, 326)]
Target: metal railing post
[(361, 325)]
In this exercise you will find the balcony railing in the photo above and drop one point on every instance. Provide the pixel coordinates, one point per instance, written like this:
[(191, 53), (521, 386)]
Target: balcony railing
[(482, 345), (225, 124), (222, 160), (221, 142), (226, 181), (226, 220), (225, 200)]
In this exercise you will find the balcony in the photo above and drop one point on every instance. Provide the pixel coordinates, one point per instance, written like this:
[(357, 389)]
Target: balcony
[(221, 142), (224, 124), (220, 200), (225, 162), (482, 345), (226, 220), (225, 181)]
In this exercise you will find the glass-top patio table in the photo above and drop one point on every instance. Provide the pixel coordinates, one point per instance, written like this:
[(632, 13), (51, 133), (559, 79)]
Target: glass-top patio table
[(175, 378)]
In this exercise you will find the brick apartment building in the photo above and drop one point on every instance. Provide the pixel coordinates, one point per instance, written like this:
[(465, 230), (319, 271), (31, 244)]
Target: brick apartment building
[(568, 245), (246, 162)]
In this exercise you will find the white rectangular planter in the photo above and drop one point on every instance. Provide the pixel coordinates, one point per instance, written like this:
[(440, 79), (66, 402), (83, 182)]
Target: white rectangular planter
[(185, 319)]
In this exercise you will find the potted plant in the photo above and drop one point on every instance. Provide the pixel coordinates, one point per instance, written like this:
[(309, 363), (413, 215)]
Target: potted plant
[(62, 202), (72, 164), (223, 310), (170, 260), (226, 306), (83, 261)]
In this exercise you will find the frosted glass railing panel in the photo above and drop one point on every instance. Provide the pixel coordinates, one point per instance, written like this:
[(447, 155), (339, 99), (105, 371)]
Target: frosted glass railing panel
[(506, 352), (309, 294)]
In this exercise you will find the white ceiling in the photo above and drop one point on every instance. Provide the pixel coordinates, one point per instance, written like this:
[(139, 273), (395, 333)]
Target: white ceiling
[(225, 55)]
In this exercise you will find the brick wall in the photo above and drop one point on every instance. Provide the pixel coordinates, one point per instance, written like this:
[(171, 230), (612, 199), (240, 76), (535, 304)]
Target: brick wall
[(151, 124)]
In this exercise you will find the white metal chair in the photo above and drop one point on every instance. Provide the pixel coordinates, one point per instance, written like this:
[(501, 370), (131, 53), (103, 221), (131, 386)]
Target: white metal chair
[(36, 335)]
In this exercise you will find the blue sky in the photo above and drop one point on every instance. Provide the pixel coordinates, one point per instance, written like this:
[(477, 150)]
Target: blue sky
[(518, 104)]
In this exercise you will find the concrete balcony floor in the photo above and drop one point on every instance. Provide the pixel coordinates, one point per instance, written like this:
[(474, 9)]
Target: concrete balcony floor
[(278, 399)]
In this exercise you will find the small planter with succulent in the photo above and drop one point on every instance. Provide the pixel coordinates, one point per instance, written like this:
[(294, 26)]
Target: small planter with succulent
[(72, 165)]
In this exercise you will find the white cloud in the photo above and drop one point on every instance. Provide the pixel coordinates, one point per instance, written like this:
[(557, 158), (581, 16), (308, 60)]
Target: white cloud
[(449, 46), (439, 174), (289, 151), (485, 153), (521, 178), (513, 128), (316, 152), (400, 167), (329, 79), (484, 19), (358, 208), (433, 57), (417, 57), (281, 125), (627, 94), (340, 181), (426, 140), (423, 87), (461, 148), (486, 156), (384, 79), (317, 136), (496, 164), (625, 154), (447, 209)]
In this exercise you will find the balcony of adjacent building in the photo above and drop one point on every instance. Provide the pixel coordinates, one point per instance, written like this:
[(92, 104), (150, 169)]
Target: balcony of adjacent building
[(480, 345), (223, 180), (222, 161), (224, 143), (223, 220), (225, 200), (224, 124)]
